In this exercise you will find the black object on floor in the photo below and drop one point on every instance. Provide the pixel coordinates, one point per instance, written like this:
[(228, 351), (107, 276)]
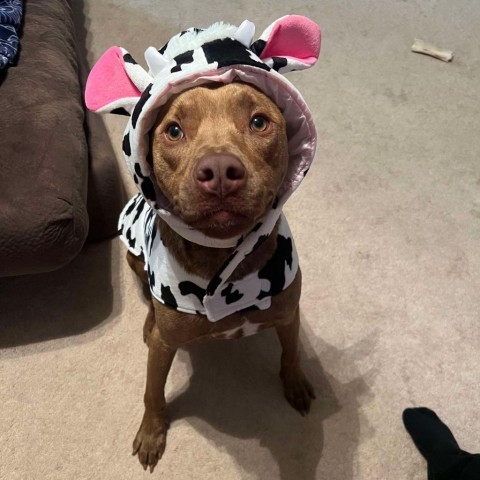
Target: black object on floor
[(446, 460)]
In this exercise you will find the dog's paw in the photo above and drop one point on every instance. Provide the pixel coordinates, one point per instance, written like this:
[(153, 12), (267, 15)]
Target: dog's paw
[(298, 392), (149, 443)]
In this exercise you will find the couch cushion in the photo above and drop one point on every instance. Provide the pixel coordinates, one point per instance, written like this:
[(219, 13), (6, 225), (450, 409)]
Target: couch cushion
[(43, 152)]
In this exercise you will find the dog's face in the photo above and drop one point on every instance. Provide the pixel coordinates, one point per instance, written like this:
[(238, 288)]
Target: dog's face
[(220, 154)]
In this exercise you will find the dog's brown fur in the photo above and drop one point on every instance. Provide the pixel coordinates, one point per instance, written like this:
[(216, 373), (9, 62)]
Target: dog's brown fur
[(216, 120)]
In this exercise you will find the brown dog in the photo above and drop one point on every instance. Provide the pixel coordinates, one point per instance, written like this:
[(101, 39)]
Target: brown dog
[(219, 156)]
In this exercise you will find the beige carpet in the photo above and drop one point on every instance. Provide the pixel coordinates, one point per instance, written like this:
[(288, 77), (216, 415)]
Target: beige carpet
[(387, 225)]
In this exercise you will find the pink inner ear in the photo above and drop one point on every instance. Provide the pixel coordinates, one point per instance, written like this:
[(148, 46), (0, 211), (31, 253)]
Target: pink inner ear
[(294, 36), (108, 81)]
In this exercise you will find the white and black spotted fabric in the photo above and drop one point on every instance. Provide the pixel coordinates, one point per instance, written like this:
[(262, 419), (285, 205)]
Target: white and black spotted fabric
[(221, 53), (176, 288)]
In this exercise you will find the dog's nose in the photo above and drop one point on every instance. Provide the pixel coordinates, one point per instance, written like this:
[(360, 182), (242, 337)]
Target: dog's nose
[(220, 174)]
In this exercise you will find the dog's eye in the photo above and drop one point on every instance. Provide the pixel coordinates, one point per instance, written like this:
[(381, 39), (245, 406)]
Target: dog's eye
[(258, 123), (174, 132)]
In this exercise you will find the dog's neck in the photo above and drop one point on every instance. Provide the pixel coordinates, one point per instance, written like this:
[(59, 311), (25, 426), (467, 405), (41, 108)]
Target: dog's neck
[(207, 261)]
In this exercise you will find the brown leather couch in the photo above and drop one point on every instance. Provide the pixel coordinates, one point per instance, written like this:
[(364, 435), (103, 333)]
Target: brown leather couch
[(59, 181)]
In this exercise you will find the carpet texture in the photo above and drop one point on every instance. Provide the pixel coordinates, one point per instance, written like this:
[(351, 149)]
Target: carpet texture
[(387, 225)]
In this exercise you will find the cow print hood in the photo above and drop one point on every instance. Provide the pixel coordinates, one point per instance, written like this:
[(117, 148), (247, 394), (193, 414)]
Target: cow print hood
[(220, 53)]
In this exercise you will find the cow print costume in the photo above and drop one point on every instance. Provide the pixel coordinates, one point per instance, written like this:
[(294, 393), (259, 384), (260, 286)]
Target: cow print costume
[(221, 53)]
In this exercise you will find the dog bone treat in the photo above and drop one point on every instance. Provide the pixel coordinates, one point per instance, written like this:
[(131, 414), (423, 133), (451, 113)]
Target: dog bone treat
[(420, 46), (221, 53)]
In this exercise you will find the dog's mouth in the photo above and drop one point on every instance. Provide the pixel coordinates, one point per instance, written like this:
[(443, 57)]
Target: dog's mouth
[(224, 219), (222, 223)]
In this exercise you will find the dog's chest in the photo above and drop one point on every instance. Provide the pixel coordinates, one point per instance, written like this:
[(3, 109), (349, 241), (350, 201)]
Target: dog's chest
[(177, 328), (244, 328)]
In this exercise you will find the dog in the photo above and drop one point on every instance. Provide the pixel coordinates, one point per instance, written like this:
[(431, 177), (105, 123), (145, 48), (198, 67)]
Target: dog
[(221, 166), (216, 143)]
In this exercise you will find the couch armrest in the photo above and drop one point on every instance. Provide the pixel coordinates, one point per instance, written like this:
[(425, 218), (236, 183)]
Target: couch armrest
[(43, 151)]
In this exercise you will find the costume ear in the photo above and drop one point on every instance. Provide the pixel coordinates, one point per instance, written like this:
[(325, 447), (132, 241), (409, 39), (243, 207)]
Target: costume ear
[(115, 83), (290, 43)]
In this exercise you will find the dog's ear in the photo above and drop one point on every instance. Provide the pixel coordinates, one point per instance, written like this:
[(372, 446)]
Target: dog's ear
[(115, 83), (290, 43)]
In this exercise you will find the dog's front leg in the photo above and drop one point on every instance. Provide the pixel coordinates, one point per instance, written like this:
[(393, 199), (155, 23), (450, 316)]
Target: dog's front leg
[(150, 441), (298, 390)]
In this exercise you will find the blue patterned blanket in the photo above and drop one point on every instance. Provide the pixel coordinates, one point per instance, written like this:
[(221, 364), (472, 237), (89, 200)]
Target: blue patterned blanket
[(11, 12)]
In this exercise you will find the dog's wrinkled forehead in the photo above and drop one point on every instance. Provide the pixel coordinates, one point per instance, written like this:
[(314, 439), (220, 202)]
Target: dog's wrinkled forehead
[(219, 102)]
